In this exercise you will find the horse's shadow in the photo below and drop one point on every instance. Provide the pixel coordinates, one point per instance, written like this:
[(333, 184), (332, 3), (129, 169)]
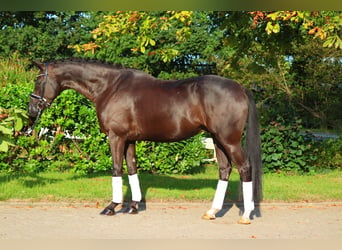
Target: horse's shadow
[(228, 206)]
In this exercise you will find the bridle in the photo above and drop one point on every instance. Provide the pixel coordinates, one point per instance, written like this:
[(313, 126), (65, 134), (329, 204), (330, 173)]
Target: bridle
[(43, 103)]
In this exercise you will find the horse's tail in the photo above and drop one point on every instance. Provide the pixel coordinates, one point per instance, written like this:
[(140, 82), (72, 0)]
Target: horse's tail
[(253, 147)]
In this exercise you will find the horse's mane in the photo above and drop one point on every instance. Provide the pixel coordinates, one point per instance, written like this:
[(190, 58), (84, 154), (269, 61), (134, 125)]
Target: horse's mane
[(79, 60)]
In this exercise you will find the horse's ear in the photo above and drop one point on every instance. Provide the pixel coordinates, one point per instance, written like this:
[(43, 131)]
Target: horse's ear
[(38, 64)]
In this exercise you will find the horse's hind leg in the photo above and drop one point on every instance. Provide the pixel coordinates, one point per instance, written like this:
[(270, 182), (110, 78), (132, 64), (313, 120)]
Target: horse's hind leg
[(225, 154), (224, 173), (245, 172)]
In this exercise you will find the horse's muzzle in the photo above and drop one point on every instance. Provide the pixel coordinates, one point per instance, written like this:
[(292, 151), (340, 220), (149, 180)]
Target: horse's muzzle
[(33, 112)]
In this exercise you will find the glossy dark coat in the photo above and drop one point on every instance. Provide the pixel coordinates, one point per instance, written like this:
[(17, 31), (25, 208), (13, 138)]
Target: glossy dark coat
[(132, 106)]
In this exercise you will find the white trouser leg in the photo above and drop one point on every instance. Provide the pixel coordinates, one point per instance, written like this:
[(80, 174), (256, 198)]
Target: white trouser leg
[(117, 189), (247, 190), (135, 187)]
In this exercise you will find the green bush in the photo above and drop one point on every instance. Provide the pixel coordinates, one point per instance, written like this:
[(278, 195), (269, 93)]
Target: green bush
[(177, 157), (71, 113), (285, 148), (13, 100), (328, 154), (57, 153), (11, 122)]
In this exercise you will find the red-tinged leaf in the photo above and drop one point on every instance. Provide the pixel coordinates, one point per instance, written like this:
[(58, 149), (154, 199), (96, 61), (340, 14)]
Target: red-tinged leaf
[(312, 31)]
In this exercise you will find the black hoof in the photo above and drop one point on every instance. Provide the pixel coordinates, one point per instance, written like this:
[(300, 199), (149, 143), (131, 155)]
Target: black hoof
[(110, 209), (131, 210)]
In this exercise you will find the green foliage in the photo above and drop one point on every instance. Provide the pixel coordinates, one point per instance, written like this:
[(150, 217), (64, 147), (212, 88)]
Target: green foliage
[(55, 152), (289, 65), (87, 151), (324, 24), (178, 157), (285, 148), (13, 70), (294, 75), (13, 117), (11, 122), (143, 30), (328, 153), (43, 35), (160, 43), (314, 81)]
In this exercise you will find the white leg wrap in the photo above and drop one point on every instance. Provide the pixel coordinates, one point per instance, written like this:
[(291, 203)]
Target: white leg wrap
[(220, 194), (117, 189), (135, 187), (247, 190)]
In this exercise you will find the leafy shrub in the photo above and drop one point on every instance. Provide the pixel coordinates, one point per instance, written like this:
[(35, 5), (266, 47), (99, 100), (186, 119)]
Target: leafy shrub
[(328, 154), (13, 99), (285, 148), (176, 157), (11, 122), (57, 153), (71, 113)]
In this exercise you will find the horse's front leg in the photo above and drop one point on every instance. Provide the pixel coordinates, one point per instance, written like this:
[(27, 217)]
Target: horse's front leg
[(133, 179), (117, 146)]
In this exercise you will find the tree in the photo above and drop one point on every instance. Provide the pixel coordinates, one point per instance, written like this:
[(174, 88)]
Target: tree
[(138, 39), (280, 65), (313, 66), (43, 35), (266, 51), (325, 25)]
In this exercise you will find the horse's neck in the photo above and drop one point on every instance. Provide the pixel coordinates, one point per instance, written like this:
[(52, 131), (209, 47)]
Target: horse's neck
[(80, 89), (84, 80)]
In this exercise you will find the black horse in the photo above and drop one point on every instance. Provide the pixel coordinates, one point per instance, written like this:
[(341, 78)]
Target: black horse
[(132, 106)]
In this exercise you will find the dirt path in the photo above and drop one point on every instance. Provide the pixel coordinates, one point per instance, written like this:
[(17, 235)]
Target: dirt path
[(169, 221)]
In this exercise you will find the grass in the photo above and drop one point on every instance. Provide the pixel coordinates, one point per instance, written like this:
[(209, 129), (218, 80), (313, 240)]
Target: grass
[(308, 188), (71, 187)]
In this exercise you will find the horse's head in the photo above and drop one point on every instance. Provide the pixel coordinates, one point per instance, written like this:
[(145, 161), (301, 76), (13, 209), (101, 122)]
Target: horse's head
[(45, 91)]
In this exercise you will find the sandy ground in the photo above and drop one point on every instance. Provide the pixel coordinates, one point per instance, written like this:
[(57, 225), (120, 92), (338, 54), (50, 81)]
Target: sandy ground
[(168, 220)]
